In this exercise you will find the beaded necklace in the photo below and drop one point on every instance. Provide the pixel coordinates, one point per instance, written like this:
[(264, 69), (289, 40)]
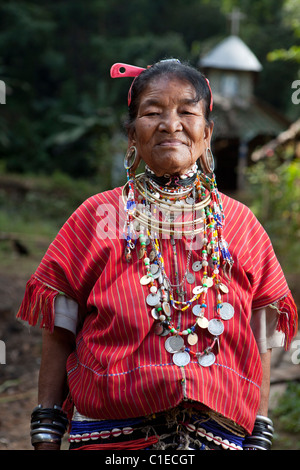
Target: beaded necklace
[(165, 297)]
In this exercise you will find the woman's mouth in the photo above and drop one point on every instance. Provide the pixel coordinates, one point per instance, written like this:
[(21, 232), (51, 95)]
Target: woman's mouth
[(170, 143)]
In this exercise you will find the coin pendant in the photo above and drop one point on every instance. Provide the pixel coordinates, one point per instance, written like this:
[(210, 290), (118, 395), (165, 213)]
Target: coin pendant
[(181, 358), (154, 268), (207, 359), (178, 202), (226, 311), (158, 330), (176, 343), (152, 255), (208, 281), (190, 200), (197, 265), (156, 274), (190, 278), (215, 327), (197, 290), (168, 347), (145, 280), (165, 332), (166, 308), (223, 288), (171, 346), (152, 299), (202, 322), (155, 314), (197, 310), (192, 339)]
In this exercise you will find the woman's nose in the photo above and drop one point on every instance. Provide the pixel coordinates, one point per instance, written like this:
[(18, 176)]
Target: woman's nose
[(170, 123)]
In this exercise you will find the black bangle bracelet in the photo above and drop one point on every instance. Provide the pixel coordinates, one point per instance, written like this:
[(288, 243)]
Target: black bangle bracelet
[(44, 430), (45, 438), (51, 426), (53, 420), (55, 414), (262, 435)]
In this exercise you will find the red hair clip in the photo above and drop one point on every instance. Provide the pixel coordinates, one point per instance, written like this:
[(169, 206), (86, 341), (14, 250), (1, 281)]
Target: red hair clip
[(124, 70), (211, 95), (121, 70)]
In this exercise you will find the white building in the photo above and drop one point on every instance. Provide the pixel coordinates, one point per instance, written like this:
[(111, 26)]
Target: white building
[(242, 122)]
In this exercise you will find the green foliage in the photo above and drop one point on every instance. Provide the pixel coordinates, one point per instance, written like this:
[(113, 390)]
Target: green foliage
[(40, 205), (291, 19), (55, 59), (288, 408), (274, 186)]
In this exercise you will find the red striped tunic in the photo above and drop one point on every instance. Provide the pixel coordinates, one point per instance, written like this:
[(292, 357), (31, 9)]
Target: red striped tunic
[(120, 367)]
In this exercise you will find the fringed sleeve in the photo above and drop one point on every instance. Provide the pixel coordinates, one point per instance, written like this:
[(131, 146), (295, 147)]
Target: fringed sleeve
[(71, 267), (265, 274), (38, 304), (287, 318)]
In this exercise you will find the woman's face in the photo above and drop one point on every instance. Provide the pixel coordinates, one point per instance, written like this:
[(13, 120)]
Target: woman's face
[(170, 132)]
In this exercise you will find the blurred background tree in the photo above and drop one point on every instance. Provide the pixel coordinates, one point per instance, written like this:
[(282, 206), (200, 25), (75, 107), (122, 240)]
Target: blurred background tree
[(62, 107), (61, 135)]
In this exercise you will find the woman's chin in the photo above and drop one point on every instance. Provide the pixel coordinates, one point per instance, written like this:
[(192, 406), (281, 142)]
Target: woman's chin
[(172, 165)]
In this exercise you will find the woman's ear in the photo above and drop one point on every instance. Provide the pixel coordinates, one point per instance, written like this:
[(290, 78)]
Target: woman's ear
[(131, 136), (132, 143), (205, 165), (208, 134)]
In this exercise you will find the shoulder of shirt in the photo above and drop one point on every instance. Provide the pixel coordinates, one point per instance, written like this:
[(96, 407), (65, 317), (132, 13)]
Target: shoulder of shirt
[(230, 203)]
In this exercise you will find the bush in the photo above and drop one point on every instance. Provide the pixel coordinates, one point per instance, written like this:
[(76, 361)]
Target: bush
[(274, 188)]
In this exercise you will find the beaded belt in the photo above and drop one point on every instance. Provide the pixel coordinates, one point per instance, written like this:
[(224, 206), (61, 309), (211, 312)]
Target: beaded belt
[(178, 428)]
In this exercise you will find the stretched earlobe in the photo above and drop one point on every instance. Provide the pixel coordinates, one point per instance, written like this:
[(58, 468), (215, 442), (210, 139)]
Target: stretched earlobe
[(207, 162), (130, 158)]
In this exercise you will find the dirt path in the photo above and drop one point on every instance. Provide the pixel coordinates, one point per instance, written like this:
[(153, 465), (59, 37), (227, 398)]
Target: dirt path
[(19, 376)]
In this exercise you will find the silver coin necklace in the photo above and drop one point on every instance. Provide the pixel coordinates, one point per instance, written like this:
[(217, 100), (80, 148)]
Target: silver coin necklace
[(162, 300)]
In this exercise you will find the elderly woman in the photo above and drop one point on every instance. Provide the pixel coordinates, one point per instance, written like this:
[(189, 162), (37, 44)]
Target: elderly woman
[(160, 301)]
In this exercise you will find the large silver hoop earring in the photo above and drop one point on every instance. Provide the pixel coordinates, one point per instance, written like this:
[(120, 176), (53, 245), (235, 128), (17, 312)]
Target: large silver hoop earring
[(208, 162), (130, 157)]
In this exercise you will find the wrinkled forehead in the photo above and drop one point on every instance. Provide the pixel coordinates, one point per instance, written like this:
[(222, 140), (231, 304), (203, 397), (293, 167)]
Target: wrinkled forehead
[(168, 87)]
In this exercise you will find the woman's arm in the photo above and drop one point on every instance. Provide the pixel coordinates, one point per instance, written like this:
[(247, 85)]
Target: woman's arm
[(265, 386), (264, 327), (56, 348)]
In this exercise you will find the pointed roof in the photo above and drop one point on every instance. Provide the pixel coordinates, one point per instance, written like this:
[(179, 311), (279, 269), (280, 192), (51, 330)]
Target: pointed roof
[(231, 54)]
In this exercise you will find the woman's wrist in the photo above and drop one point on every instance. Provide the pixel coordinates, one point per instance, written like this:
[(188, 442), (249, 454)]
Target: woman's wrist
[(46, 446), (262, 435), (48, 425)]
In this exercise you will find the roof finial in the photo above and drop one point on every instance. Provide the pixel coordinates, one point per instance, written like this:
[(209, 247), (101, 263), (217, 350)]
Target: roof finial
[(235, 16)]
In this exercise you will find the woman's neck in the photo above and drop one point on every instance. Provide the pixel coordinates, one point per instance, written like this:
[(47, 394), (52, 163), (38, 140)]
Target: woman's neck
[(173, 181)]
